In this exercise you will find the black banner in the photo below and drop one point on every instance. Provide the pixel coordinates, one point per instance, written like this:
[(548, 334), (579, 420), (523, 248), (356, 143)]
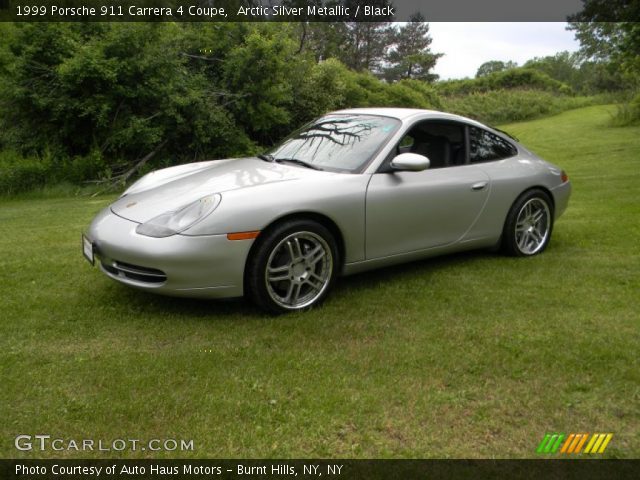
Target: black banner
[(288, 10), (327, 469)]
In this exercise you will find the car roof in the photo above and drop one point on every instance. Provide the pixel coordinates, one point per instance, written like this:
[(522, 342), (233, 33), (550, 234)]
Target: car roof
[(407, 113)]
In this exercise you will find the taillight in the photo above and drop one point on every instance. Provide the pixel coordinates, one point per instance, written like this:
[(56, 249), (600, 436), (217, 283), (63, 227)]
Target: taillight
[(564, 176)]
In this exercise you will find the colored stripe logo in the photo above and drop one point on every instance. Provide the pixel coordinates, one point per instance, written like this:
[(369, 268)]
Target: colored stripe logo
[(574, 442), (598, 443)]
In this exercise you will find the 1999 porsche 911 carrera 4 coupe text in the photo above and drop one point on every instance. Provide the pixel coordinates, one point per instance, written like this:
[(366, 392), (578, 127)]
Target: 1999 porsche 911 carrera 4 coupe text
[(351, 191)]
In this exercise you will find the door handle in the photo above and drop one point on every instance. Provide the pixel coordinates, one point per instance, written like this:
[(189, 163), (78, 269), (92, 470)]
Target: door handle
[(479, 185)]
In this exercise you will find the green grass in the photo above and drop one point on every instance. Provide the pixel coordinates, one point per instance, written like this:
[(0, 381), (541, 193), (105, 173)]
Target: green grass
[(472, 355)]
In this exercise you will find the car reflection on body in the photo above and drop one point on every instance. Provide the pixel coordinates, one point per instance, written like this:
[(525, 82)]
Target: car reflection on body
[(351, 191)]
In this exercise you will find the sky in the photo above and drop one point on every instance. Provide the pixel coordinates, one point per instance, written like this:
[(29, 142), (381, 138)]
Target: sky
[(468, 45)]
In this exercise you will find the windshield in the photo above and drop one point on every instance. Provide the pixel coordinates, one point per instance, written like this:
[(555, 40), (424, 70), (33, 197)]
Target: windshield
[(338, 142)]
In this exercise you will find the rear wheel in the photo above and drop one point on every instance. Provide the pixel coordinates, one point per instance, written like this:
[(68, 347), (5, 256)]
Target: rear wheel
[(529, 224), (292, 267)]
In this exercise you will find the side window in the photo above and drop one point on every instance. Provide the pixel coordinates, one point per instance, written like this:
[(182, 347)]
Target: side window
[(442, 142), (485, 146)]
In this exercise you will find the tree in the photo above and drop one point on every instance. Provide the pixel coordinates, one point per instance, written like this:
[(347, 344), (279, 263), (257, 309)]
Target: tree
[(111, 94), (323, 39), (260, 72), (410, 55), (493, 66), (366, 45), (608, 31), (100, 100), (581, 75), (563, 66)]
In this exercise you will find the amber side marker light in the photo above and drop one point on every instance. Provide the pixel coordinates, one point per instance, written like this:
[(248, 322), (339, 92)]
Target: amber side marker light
[(242, 235), (564, 176)]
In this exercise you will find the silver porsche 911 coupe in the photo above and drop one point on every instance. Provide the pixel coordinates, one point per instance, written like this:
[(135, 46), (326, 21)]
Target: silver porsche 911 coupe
[(351, 191)]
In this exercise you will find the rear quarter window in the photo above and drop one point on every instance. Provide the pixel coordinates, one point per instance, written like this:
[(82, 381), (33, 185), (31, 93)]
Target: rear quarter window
[(486, 146)]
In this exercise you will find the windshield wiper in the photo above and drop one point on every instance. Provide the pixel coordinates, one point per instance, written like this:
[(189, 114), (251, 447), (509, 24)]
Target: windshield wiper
[(266, 157), (298, 162)]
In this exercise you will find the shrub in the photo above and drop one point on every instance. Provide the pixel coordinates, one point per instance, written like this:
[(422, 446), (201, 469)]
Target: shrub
[(503, 106), (516, 78), (321, 88), (330, 85), (628, 113), (19, 174)]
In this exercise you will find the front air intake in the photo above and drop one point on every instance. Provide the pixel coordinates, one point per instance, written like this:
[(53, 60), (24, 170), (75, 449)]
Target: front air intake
[(134, 272)]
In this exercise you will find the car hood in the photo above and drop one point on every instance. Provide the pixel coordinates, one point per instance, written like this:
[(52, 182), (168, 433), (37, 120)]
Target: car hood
[(172, 188)]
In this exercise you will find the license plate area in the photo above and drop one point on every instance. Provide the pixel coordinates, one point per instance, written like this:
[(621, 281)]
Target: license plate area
[(87, 250)]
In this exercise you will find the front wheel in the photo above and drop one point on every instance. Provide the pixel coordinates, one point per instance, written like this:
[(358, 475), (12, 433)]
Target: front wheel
[(527, 230), (292, 267)]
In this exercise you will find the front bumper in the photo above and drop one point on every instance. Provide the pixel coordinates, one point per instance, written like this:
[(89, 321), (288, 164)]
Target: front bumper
[(206, 266)]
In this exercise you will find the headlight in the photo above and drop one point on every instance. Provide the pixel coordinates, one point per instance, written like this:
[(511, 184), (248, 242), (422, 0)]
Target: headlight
[(171, 223)]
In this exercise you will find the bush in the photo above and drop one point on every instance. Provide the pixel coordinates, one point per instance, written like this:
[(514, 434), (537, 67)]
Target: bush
[(428, 93), (120, 89), (516, 78), (627, 113), (321, 88), (412, 94), (365, 90), (503, 106), (330, 85), (19, 174), (85, 102)]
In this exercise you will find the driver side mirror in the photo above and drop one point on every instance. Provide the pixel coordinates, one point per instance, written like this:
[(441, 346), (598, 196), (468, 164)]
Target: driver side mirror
[(412, 162)]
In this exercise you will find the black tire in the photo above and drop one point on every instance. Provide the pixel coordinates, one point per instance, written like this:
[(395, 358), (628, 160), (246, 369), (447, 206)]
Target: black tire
[(287, 248), (522, 235)]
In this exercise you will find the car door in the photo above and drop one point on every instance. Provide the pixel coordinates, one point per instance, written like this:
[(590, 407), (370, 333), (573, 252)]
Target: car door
[(409, 211)]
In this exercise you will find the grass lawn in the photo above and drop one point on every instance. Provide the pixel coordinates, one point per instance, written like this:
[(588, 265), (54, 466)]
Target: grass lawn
[(472, 355)]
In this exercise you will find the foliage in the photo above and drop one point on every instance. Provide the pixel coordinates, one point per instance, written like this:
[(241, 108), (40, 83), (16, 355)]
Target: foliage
[(418, 94), (104, 97), (259, 73), (595, 77), (410, 56), (355, 89), (365, 90), (609, 34), (581, 75), (627, 113), (86, 102), (563, 66), (310, 94), (119, 89), (388, 50), (608, 30), (499, 106), (520, 78), (19, 174), (494, 66), (324, 40), (365, 45)]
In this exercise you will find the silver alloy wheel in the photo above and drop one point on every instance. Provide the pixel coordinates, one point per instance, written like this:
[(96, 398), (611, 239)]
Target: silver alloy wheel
[(532, 226), (299, 270)]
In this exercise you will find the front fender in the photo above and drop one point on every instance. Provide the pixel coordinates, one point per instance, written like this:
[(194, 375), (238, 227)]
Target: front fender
[(340, 197)]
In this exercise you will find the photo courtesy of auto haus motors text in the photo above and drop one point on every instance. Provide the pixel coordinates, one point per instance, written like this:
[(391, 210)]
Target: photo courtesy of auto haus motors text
[(187, 469)]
